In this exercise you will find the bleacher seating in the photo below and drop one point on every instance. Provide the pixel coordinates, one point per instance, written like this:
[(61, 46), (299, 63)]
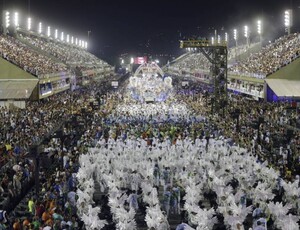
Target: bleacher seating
[(71, 55), (190, 64), (28, 59), (46, 58), (270, 59)]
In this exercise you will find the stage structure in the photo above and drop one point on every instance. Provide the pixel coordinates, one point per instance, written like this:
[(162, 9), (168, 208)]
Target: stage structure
[(148, 84), (216, 53)]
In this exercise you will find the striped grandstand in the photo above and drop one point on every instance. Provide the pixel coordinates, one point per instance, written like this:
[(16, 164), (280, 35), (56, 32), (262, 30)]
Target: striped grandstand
[(34, 66), (270, 72)]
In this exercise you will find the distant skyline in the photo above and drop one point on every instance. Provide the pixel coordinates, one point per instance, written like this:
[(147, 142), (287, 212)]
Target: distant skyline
[(154, 27)]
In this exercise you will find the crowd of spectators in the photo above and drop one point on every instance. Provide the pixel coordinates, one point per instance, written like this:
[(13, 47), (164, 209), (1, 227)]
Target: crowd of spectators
[(26, 58), (271, 58), (22, 128), (258, 65), (50, 57), (192, 63), (66, 53)]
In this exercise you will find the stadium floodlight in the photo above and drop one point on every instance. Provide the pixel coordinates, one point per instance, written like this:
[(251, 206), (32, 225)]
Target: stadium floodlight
[(86, 45), (259, 30), (226, 37), (79, 43), (7, 19), (212, 40), (56, 34), (131, 60), (62, 36), (235, 37), (68, 38), (16, 19), (288, 20), (48, 31), (219, 39), (246, 32), (235, 34), (76, 41), (259, 27), (29, 24), (40, 28), (72, 40)]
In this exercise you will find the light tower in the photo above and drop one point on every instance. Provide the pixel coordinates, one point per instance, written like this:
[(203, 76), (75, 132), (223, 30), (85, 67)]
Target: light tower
[(259, 30), (56, 34), (288, 21), (29, 24), (246, 34), (40, 28), (5, 21), (235, 37), (48, 31), (16, 21), (226, 37)]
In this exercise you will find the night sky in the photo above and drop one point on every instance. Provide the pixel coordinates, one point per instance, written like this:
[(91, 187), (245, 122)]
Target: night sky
[(152, 27)]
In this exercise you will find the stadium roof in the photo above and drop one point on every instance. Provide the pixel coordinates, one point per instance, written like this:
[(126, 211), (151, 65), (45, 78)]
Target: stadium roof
[(286, 81), (285, 87), (11, 71), (15, 83), (16, 89)]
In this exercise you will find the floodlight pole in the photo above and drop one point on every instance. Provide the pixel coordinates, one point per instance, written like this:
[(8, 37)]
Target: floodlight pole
[(29, 7)]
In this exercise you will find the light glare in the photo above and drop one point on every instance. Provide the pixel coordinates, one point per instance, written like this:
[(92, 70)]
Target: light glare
[(246, 34), (259, 27), (29, 24), (287, 18), (7, 19), (16, 19), (235, 34), (48, 31), (40, 28)]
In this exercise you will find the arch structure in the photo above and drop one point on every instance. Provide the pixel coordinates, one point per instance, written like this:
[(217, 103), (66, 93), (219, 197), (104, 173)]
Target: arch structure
[(148, 69), (148, 84)]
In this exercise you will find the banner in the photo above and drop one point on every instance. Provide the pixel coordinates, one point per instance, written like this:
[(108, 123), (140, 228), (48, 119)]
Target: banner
[(140, 60)]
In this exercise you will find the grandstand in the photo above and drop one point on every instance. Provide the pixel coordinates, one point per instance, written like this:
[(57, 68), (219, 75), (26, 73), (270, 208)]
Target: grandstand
[(52, 65), (251, 68), (98, 158)]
